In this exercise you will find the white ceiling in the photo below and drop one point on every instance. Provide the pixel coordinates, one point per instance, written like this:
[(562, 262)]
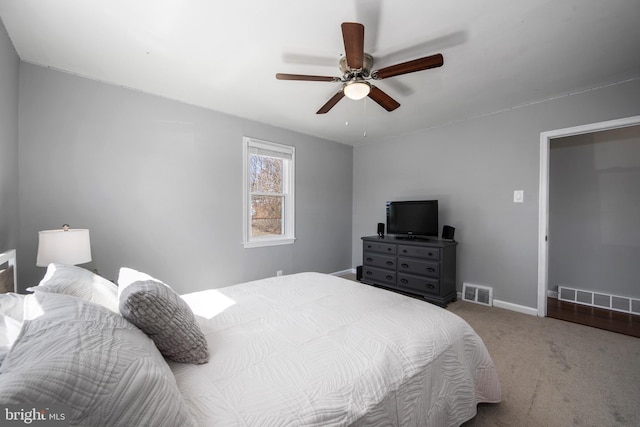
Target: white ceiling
[(224, 55)]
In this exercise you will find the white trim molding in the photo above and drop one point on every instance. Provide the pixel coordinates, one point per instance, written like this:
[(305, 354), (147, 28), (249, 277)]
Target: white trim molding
[(254, 146), (543, 197), (343, 272), (515, 307), (509, 306)]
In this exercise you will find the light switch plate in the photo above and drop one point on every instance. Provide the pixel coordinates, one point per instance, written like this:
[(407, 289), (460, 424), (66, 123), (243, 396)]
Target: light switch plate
[(518, 196)]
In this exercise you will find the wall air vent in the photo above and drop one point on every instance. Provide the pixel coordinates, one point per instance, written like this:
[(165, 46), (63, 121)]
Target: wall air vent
[(478, 294), (599, 299)]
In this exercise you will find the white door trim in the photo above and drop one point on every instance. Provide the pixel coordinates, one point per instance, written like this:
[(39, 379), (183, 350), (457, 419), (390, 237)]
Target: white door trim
[(543, 197)]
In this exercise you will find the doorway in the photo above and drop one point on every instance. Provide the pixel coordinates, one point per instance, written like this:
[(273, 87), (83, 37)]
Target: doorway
[(543, 215)]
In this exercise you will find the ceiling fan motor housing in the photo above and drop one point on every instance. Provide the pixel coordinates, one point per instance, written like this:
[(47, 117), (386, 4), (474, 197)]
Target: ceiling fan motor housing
[(349, 74)]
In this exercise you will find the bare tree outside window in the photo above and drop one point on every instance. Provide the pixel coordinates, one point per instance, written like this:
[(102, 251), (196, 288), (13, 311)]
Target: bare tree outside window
[(267, 195)]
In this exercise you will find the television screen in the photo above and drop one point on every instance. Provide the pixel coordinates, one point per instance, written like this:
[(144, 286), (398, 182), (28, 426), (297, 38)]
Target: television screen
[(413, 218)]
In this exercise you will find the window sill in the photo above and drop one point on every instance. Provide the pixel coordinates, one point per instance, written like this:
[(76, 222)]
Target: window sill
[(269, 242)]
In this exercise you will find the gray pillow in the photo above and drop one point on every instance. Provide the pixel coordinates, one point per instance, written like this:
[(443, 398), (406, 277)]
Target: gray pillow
[(164, 316), (104, 370)]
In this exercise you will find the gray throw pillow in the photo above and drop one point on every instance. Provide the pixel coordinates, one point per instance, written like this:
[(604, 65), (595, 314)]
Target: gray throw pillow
[(161, 314)]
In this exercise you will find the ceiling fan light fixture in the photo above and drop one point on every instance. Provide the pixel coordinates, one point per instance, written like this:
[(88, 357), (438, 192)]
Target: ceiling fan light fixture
[(356, 89)]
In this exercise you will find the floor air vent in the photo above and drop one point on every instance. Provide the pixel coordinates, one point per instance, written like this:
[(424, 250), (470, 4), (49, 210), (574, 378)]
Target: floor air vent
[(599, 299), (478, 294)]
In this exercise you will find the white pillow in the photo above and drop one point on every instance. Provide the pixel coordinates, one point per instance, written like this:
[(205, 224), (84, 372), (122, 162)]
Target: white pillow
[(79, 282), (12, 305), (11, 317), (83, 357), (9, 330), (127, 276)]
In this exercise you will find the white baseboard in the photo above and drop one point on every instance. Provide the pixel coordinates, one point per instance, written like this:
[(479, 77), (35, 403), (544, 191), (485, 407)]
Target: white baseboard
[(510, 306), (515, 307), (343, 272)]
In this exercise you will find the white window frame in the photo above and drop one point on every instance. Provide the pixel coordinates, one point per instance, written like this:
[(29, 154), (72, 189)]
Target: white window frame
[(288, 237)]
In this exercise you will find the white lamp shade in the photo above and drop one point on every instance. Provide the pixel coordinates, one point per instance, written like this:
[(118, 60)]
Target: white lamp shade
[(356, 89), (69, 247)]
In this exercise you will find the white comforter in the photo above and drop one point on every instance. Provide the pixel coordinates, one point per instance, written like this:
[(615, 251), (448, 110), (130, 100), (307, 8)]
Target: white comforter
[(316, 350)]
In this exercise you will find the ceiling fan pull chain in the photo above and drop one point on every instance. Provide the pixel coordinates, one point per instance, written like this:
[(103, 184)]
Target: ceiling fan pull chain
[(364, 121)]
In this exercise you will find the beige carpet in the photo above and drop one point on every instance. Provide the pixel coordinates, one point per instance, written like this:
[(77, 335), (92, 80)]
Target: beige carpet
[(556, 373)]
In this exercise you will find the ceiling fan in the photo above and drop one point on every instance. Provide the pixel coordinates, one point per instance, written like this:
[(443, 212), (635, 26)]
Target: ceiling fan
[(356, 65)]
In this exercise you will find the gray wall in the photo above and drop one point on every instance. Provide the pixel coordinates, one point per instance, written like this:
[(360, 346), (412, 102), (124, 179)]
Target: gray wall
[(9, 65), (473, 167), (159, 185), (594, 212)]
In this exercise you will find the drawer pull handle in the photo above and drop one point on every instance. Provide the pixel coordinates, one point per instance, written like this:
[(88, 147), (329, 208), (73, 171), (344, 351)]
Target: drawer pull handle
[(389, 249), (369, 259), (431, 269), (404, 251), (389, 277), (404, 280), (405, 265), (430, 253), (368, 246), (389, 262), (369, 273), (430, 286)]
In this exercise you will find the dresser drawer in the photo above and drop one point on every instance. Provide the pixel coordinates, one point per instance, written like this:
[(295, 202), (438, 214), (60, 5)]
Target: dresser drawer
[(379, 260), (377, 275), (420, 284), (419, 252), (421, 268), (387, 248)]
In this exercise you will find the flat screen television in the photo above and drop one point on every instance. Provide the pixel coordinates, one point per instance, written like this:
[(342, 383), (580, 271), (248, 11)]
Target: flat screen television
[(413, 218)]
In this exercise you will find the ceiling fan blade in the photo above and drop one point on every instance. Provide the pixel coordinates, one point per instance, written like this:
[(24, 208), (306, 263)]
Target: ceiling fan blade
[(420, 64), (330, 103), (385, 101), (353, 36), (282, 76)]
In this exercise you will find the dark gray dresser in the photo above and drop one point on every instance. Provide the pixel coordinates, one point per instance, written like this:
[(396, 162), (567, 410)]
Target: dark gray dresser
[(420, 267)]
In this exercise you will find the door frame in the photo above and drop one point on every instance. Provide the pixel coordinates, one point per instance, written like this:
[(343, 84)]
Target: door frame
[(543, 197)]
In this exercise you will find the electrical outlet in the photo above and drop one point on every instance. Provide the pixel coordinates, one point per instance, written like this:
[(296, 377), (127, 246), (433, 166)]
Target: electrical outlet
[(279, 273)]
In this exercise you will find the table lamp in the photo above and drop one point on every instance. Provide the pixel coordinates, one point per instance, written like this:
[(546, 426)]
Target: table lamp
[(66, 246)]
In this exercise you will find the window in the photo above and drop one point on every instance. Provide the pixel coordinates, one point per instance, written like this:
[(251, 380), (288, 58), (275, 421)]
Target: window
[(269, 207)]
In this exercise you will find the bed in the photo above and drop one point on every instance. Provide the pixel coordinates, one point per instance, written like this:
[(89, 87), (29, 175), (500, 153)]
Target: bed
[(304, 349)]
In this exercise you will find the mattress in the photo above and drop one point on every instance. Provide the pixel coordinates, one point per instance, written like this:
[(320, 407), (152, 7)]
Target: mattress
[(317, 350)]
